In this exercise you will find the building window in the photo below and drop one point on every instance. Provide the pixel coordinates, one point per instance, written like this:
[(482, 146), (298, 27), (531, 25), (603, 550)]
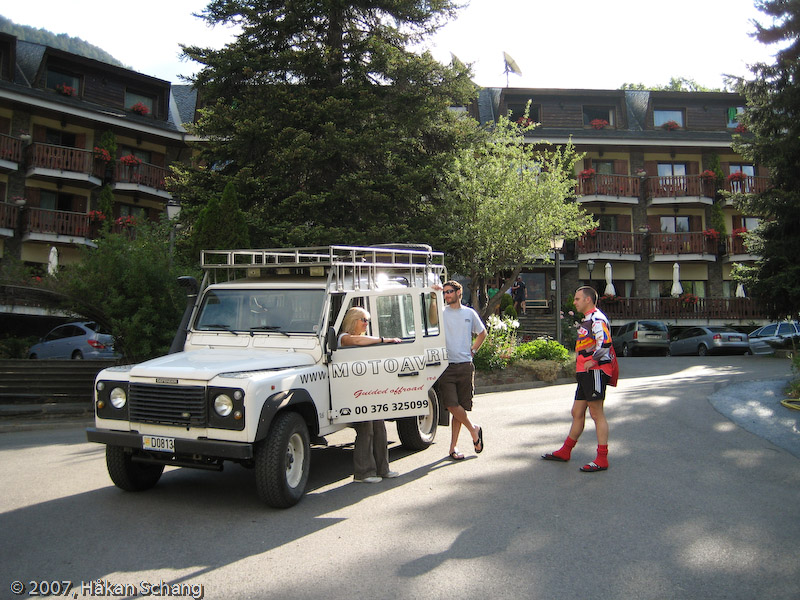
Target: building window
[(674, 224), (60, 80), (60, 138), (137, 212), (750, 223), (517, 112), (143, 155), (741, 185), (607, 223), (663, 289), (671, 169), (603, 167), (733, 116), (598, 113), (55, 200), (133, 98), (661, 116)]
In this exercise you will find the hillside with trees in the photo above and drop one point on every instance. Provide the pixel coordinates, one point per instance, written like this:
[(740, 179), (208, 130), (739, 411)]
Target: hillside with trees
[(62, 41)]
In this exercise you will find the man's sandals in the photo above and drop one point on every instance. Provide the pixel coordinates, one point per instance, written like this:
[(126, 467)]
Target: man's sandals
[(592, 467)]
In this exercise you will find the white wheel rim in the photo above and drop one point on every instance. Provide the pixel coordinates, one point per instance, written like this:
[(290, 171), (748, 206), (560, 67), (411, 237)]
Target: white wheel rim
[(295, 457)]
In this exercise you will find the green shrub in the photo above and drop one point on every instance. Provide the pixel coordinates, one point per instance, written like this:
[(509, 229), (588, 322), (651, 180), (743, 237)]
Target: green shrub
[(497, 349), (541, 349)]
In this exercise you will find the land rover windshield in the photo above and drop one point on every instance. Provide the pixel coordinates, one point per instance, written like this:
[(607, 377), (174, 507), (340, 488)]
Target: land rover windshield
[(254, 310)]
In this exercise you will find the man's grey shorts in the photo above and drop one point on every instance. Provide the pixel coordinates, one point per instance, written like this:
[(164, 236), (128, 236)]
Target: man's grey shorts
[(457, 385)]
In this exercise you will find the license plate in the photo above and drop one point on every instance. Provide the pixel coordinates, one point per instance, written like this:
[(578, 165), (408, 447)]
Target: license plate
[(654, 336), (158, 444), (734, 338)]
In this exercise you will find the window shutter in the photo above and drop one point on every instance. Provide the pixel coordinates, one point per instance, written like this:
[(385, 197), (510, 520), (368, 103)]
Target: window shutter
[(736, 221), (620, 167), (39, 133), (651, 168), (79, 204), (726, 168), (5, 125), (32, 196), (624, 223), (587, 163), (762, 171), (695, 223), (692, 167), (80, 141), (654, 222), (158, 159)]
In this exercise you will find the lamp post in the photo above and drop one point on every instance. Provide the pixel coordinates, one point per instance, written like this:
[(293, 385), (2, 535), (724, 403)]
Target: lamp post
[(590, 268), (173, 210), (557, 245)]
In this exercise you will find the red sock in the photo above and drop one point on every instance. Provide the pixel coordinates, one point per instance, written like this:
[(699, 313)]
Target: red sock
[(566, 450), (602, 456)]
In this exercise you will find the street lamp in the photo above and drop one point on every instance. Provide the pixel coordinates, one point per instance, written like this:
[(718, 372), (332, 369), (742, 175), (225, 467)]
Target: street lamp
[(590, 268), (557, 244)]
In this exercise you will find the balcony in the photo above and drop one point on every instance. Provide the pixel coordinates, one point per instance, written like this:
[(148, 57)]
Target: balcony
[(622, 189), (8, 219), (143, 179), (617, 245), (674, 309), (681, 190), (748, 185), (686, 246), (10, 153), (64, 164), (737, 250), (52, 226)]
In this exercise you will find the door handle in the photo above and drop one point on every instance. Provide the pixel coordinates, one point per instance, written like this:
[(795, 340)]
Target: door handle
[(411, 374)]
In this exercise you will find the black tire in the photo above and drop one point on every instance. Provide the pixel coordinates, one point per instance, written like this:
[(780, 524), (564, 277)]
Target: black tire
[(626, 351), (702, 350), (33, 357), (667, 352), (282, 461), (129, 475), (77, 355), (417, 433)]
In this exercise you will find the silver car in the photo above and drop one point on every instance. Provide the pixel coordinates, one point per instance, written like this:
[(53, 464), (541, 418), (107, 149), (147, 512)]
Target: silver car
[(767, 339), (709, 340), (80, 340), (638, 337)]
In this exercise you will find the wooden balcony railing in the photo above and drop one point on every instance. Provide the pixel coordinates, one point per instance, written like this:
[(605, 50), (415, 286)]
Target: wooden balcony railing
[(609, 185), (748, 185), (682, 243), (143, 174), (737, 245), (675, 186), (10, 148), (59, 222), (617, 242), (664, 309), (8, 215), (64, 158)]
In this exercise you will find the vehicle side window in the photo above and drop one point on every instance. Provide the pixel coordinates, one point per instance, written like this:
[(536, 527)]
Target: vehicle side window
[(786, 328), (57, 334), (395, 315), (768, 330), (74, 331), (430, 327)]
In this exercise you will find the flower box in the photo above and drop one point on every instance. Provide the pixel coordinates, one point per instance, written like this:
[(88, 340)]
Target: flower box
[(737, 176), (671, 126), (586, 174), (65, 90), (598, 123), (140, 109), (711, 234), (129, 160), (739, 231)]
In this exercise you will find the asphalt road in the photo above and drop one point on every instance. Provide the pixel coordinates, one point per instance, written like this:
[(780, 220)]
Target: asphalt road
[(693, 506)]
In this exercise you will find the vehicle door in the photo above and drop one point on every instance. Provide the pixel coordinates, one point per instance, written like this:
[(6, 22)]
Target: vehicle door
[(58, 343), (389, 380)]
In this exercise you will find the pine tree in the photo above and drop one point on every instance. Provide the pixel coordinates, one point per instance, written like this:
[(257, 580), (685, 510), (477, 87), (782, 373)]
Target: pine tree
[(332, 128), (221, 224), (772, 117)]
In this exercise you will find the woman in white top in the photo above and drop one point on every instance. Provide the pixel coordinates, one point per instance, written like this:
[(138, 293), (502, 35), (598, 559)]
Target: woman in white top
[(371, 453)]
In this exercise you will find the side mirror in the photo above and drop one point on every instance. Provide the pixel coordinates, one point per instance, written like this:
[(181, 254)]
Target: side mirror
[(331, 342)]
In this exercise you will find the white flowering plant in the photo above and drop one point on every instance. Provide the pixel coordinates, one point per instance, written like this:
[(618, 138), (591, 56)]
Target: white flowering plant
[(498, 347)]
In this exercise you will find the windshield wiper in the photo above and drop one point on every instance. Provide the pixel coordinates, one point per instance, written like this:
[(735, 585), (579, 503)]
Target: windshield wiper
[(268, 328), (218, 326)]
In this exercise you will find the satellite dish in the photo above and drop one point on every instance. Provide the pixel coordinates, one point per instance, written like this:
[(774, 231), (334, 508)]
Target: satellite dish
[(511, 66)]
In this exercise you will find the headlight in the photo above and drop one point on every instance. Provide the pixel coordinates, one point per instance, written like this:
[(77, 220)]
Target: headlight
[(118, 397), (223, 404)]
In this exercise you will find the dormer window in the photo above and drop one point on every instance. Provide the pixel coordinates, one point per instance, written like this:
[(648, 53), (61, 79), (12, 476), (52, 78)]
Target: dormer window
[(517, 110), (139, 103), (663, 116), (62, 82), (733, 116), (598, 117)]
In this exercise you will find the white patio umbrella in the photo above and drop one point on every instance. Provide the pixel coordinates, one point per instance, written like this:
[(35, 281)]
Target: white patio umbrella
[(52, 261), (740, 291), (677, 289), (610, 291)]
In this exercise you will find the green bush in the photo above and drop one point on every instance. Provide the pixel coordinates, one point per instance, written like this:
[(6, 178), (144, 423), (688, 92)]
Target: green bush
[(541, 349), (497, 349)]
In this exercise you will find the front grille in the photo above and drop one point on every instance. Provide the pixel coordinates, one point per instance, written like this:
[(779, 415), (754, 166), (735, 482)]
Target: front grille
[(168, 404)]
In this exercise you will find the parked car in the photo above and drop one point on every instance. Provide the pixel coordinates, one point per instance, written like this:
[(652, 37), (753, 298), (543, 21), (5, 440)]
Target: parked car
[(784, 335), (79, 340), (641, 336), (709, 340)]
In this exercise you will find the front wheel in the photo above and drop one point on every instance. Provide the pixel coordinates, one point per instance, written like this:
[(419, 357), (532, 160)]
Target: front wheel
[(128, 474), (282, 461), (417, 433)]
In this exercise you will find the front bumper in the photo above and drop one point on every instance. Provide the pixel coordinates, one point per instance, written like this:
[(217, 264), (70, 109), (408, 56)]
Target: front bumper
[(205, 448)]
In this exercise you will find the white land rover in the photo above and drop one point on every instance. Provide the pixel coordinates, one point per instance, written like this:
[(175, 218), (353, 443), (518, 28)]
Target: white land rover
[(255, 376)]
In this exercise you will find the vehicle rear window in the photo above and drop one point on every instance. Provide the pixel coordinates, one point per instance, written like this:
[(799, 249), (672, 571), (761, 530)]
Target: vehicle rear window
[(652, 326)]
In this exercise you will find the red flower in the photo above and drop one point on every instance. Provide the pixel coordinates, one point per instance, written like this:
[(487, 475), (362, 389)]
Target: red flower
[(96, 215), (598, 123), (739, 231), (586, 174), (740, 129), (65, 90), (102, 154), (129, 160), (140, 108), (737, 176), (671, 125), (711, 234)]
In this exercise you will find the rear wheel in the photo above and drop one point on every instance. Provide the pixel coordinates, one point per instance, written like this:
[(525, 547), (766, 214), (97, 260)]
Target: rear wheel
[(77, 355), (702, 350), (282, 461), (626, 351), (129, 475), (417, 433)]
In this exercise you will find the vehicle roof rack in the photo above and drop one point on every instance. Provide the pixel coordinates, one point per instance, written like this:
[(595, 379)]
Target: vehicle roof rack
[(347, 267)]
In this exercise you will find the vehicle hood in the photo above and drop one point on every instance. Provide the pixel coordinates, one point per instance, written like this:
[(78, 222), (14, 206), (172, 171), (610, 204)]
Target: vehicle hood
[(206, 364)]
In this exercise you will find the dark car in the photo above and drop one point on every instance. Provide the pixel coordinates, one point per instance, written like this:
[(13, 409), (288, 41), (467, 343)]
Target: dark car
[(85, 339), (709, 340), (638, 337), (775, 336)]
